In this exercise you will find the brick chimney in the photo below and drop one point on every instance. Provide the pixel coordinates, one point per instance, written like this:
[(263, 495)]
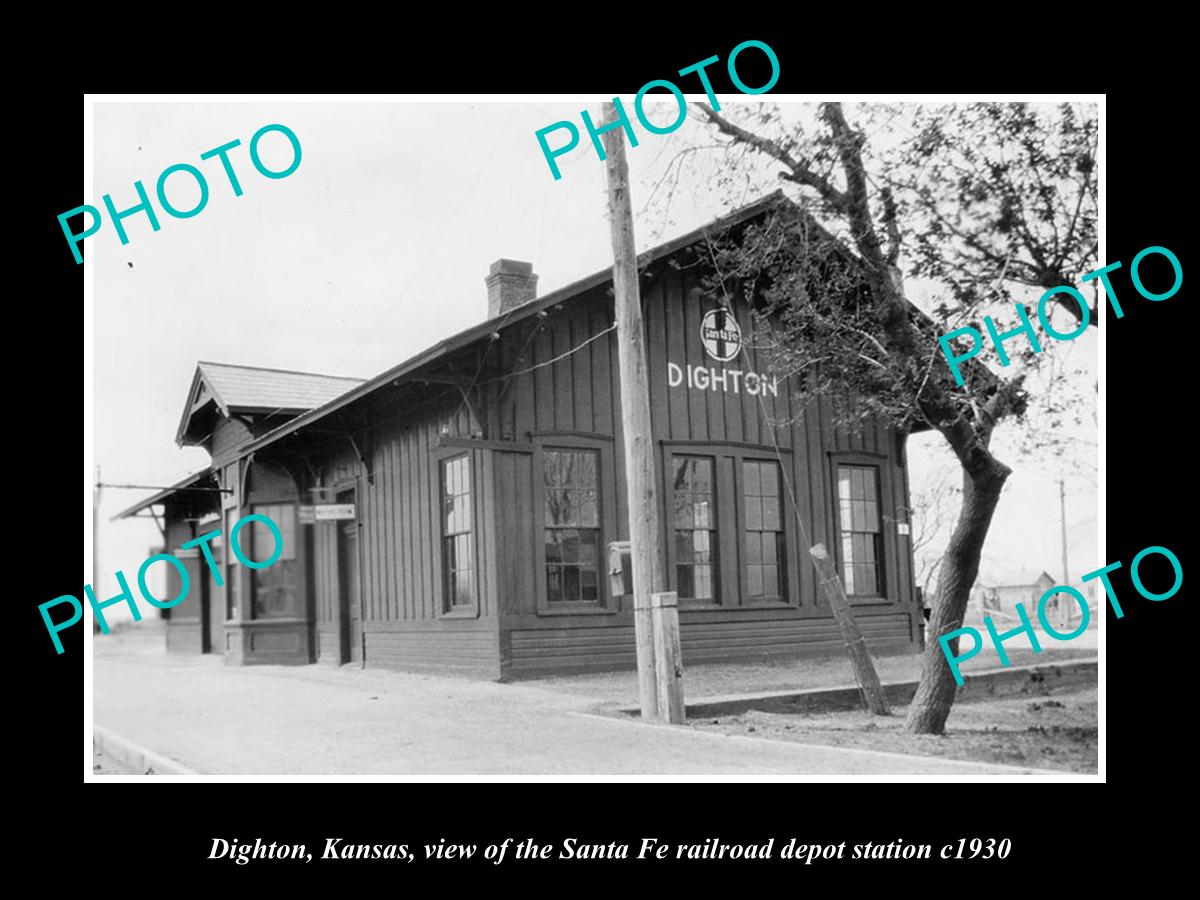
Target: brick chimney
[(510, 283)]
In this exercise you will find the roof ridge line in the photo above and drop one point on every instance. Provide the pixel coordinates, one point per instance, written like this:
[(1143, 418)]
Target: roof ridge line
[(211, 362)]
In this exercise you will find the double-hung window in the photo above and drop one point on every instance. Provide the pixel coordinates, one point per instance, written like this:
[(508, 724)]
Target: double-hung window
[(571, 526), (695, 494), (458, 549), (861, 535), (730, 543), (762, 502)]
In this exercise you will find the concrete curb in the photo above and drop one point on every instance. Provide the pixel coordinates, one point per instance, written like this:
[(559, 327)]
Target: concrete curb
[(1007, 681), (141, 760)]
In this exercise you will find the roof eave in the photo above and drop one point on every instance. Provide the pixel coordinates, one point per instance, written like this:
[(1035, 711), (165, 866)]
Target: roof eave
[(470, 335)]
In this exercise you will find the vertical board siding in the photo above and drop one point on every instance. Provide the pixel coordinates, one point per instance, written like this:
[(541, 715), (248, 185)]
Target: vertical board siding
[(398, 507)]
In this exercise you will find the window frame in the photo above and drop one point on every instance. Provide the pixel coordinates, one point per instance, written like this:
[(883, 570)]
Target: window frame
[(446, 610), (785, 574), (298, 559), (605, 603), (718, 563), (886, 559), (730, 501)]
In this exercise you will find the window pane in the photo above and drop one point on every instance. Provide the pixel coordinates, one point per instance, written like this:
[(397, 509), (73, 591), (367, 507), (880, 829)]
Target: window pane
[(770, 581), (843, 483), (695, 523), (684, 517), (868, 548), (589, 510), (770, 548), (753, 513), (589, 549), (753, 481), (770, 479), (871, 579), (589, 589), (771, 514), (860, 529), (754, 548), (554, 584), (569, 545), (754, 581), (683, 581)]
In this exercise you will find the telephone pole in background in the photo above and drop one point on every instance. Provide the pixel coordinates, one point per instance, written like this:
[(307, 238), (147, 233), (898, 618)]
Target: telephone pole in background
[(96, 542), (660, 671), (1062, 512)]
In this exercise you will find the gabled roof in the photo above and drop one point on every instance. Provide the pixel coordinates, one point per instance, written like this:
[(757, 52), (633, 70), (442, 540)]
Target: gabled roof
[(251, 389), (1025, 578), (507, 319)]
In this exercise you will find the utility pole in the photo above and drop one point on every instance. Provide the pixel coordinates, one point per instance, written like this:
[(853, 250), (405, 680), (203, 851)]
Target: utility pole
[(1062, 507), (647, 552), (96, 543)]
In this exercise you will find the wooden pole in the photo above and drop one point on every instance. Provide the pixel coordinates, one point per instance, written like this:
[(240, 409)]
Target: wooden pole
[(860, 658), (1062, 520), (647, 552), (668, 661)]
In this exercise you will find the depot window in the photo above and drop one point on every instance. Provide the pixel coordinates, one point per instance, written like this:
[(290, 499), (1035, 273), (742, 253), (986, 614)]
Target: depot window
[(695, 502), (277, 587), (731, 542), (860, 548), (763, 539), (457, 538), (571, 526)]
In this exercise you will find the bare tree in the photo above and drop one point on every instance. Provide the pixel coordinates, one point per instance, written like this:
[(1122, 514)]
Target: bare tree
[(982, 202)]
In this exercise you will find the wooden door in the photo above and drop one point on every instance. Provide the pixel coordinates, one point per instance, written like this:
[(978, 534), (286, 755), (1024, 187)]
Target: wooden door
[(349, 608)]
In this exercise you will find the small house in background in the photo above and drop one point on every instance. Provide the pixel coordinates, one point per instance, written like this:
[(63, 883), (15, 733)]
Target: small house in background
[(453, 513), (1003, 593)]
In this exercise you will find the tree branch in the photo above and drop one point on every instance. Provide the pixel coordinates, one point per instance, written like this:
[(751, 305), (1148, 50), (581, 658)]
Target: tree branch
[(798, 170)]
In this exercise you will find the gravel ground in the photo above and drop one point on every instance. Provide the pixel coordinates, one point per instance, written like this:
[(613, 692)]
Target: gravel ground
[(1055, 731)]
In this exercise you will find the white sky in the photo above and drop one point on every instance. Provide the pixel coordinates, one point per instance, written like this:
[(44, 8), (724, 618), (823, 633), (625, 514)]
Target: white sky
[(374, 249)]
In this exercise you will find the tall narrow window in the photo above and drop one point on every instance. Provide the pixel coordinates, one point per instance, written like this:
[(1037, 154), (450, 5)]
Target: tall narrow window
[(275, 587), (695, 528), (572, 526), (457, 546), (763, 524), (858, 518)]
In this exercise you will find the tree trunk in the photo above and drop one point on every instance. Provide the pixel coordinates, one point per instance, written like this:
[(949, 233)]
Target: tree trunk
[(959, 569)]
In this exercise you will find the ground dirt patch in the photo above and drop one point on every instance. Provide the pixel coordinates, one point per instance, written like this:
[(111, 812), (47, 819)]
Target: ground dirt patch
[(1053, 731)]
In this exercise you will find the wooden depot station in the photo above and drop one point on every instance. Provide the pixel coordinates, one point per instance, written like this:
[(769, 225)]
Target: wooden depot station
[(455, 513)]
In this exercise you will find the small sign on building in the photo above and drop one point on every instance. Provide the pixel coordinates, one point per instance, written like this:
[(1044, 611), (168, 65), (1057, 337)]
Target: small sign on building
[(327, 511)]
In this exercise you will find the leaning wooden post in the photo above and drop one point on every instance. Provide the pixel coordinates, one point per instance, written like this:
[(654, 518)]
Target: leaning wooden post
[(860, 657), (668, 661), (647, 553)]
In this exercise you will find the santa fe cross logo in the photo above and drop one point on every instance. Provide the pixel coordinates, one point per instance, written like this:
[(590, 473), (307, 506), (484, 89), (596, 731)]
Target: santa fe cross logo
[(720, 334)]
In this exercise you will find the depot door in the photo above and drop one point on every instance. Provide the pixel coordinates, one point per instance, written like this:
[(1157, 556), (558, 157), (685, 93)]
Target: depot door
[(349, 609), (214, 614)]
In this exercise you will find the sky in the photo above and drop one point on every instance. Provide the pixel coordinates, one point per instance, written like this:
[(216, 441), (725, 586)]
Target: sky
[(375, 248)]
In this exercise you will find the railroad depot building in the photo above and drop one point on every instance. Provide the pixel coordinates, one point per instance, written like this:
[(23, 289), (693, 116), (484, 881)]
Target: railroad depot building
[(455, 513)]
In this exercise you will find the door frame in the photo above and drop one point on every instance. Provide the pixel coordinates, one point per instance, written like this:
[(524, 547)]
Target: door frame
[(349, 494)]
